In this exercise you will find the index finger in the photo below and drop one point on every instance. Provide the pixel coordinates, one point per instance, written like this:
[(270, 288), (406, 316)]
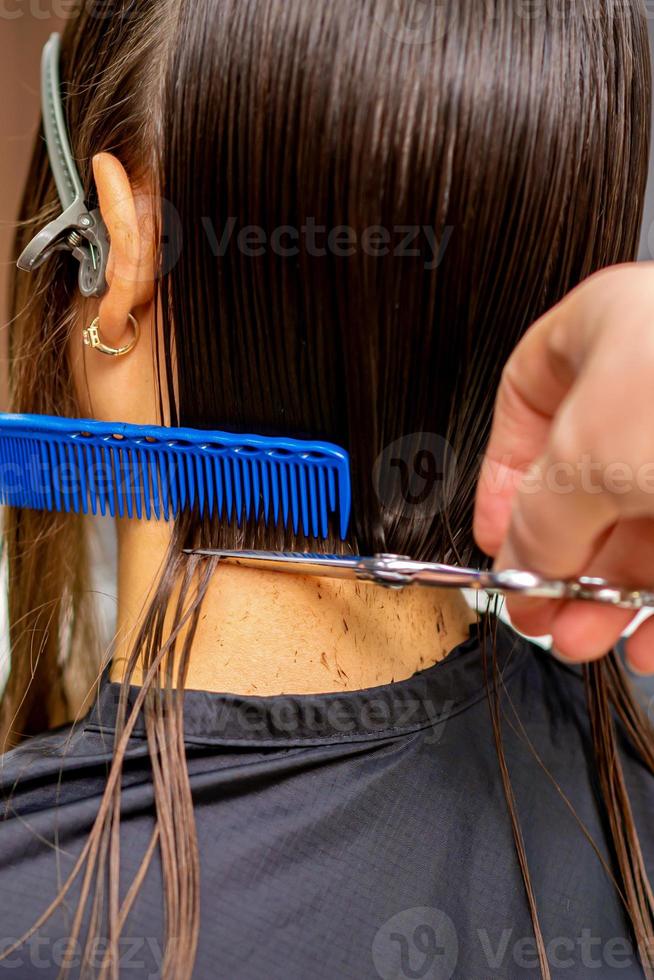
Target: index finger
[(534, 384), (589, 325)]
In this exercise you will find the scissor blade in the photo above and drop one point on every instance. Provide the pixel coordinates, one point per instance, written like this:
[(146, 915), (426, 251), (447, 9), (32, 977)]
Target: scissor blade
[(398, 572)]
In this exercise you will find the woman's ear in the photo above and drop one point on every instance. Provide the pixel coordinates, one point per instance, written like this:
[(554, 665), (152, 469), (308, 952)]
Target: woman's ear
[(121, 389), (126, 212)]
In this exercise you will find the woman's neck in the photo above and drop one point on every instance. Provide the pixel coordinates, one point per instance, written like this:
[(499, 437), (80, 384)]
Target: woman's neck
[(265, 633)]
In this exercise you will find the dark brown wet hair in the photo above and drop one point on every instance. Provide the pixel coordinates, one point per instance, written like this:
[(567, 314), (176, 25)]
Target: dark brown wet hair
[(484, 157)]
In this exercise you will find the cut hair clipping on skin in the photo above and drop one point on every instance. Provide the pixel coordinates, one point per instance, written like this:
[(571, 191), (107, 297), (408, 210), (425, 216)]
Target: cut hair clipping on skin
[(77, 230)]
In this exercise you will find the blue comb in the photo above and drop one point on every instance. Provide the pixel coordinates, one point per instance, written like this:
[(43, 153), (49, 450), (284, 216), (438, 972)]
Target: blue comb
[(115, 468)]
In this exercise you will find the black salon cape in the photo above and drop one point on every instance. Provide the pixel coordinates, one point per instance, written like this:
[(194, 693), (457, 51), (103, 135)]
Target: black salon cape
[(357, 835)]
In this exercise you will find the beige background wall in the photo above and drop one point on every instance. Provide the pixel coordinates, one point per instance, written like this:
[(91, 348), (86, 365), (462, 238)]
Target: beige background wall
[(21, 40)]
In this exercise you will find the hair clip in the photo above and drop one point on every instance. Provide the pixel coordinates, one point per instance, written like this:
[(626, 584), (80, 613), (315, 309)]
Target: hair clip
[(78, 230), (397, 572)]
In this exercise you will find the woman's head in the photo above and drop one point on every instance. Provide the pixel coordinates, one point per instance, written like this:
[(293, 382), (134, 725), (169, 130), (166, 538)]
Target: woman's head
[(363, 204)]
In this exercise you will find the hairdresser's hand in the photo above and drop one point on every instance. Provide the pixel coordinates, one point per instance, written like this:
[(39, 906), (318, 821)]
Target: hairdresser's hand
[(567, 485)]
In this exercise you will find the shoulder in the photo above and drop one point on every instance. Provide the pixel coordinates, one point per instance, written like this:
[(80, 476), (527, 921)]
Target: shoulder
[(50, 768), (546, 708)]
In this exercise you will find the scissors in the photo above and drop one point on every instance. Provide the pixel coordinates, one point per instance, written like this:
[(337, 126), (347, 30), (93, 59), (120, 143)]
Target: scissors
[(398, 572)]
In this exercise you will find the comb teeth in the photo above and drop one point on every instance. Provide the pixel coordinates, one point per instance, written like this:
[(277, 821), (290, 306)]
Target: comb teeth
[(80, 465)]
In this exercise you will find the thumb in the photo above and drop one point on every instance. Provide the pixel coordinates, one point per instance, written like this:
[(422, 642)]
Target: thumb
[(534, 384)]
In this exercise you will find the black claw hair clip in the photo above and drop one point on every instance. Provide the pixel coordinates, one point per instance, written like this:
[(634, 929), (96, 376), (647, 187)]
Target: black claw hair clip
[(78, 229)]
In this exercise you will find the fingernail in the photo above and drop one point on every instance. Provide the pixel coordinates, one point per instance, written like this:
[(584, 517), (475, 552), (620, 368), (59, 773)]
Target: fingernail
[(635, 671), (556, 653)]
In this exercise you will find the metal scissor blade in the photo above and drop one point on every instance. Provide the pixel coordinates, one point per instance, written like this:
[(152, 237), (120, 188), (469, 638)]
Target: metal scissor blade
[(397, 572), (392, 571), (303, 563)]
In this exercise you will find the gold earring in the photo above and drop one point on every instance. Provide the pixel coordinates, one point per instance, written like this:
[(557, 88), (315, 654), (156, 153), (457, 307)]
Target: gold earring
[(91, 337)]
